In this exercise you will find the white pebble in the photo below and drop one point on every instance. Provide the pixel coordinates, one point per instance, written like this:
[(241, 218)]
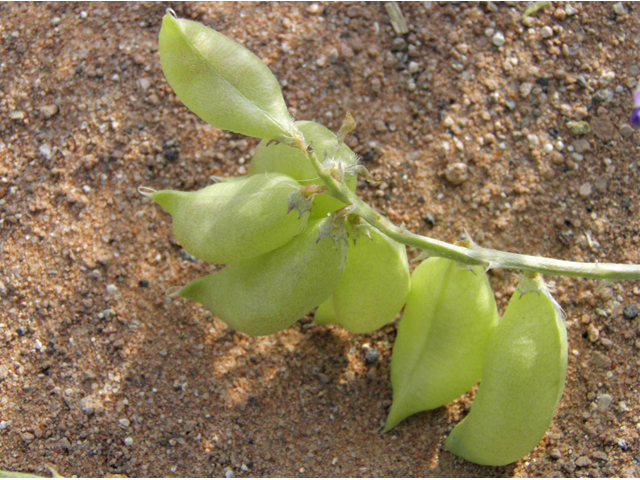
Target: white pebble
[(124, 422), (498, 39), (228, 473), (569, 10), (413, 67), (620, 9), (83, 14), (559, 145), (533, 139), (111, 289), (128, 441), (547, 148), (546, 32)]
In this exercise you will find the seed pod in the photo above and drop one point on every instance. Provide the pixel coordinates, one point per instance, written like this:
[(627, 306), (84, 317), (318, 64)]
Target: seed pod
[(291, 161), (373, 288), (269, 293), (234, 220), (222, 82), (437, 356), (523, 376)]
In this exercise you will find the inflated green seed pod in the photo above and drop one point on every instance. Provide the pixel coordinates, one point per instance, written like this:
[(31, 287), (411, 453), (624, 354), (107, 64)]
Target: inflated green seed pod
[(234, 220), (291, 161), (269, 293), (221, 81), (442, 337), (373, 288), (523, 375)]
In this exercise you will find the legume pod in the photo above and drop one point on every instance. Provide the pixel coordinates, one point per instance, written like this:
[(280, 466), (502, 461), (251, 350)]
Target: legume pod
[(437, 355), (234, 220), (523, 375), (269, 293), (373, 288)]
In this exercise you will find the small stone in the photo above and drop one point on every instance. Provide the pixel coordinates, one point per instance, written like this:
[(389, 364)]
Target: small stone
[(585, 190), (605, 95), (399, 43), (49, 111), (546, 32), (525, 89), (4, 372), (619, 8), (124, 422), (583, 461), (228, 473), (128, 441), (111, 289), (579, 127), (555, 454), (593, 333), (45, 150), (626, 131), (314, 9), (4, 425), (533, 139), (27, 437), (65, 443), (413, 67), (560, 14), (528, 21), (456, 173), (429, 220), (498, 39), (600, 361), (17, 115), (630, 312), (379, 126), (570, 10), (371, 356), (622, 443), (163, 352), (144, 83), (598, 455), (511, 105), (604, 402), (90, 405)]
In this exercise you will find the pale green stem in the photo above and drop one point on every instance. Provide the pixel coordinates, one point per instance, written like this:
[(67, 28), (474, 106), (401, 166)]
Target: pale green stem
[(473, 255)]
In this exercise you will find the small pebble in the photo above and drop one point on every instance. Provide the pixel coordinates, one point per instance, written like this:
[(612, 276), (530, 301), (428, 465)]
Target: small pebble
[(525, 89), (456, 173), (48, 111), (555, 454), (570, 11), (371, 356), (546, 32), (83, 14), (585, 190), (111, 289), (533, 139), (622, 443), (128, 441), (579, 127), (560, 14), (498, 39), (583, 461), (228, 473), (604, 402), (620, 9), (45, 150), (163, 352), (630, 312), (124, 422), (4, 425), (413, 67), (28, 437)]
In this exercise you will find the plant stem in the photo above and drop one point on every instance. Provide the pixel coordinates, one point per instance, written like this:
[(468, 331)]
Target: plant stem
[(474, 254)]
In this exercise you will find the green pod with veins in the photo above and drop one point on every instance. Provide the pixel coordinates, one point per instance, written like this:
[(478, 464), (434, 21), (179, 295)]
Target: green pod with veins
[(523, 375), (373, 288), (269, 293), (291, 161), (437, 356), (236, 219), (221, 81)]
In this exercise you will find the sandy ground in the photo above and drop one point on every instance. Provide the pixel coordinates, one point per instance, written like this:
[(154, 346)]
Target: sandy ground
[(101, 373)]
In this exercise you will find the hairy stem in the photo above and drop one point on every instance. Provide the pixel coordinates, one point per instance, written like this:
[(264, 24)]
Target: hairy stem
[(474, 254)]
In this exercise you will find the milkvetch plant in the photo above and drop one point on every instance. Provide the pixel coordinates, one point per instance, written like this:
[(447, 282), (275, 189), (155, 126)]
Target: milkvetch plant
[(295, 237)]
